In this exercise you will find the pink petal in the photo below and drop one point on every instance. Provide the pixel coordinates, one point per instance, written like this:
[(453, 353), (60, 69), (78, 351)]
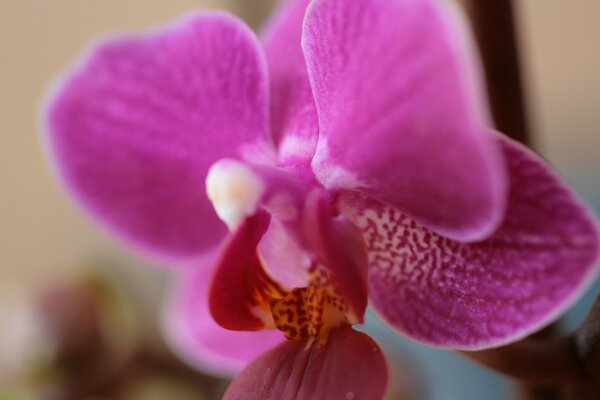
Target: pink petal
[(135, 126), (197, 338), (237, 277), (284, 259), (473, 296), (399, 117), (293, 115), (342, 251), (349, 366)]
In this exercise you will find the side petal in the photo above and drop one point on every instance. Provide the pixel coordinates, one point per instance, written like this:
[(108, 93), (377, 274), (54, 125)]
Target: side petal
[(133, 129), (238, 297), (349, 366), (399, 118), (473, 296), (340, 247), (293, 115), (193, 334)]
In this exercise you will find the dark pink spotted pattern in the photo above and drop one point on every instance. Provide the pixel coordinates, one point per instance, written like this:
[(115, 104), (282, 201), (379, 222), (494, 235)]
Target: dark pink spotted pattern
[(469, 296)]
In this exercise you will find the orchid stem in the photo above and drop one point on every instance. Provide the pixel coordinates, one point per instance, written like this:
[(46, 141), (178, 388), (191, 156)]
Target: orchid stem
[(587, 341), (495, 30), (545, 361), (587, 345), (550, 368), (572, 362)]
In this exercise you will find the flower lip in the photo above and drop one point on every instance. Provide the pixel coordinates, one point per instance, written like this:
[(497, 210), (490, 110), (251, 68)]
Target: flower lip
[(311, 311), (350, 365)]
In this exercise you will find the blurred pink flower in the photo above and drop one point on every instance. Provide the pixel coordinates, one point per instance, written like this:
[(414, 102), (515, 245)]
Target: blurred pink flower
[(354, 141)]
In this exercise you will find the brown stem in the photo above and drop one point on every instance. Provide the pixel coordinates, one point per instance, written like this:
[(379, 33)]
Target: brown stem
[(572, 361), (494, 26), (587, 341), (537, 391), (547, 362)]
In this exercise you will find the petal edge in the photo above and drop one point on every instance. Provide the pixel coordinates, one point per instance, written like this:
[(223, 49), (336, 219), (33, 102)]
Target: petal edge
[(127, 130), (480, 295), (396, 114)]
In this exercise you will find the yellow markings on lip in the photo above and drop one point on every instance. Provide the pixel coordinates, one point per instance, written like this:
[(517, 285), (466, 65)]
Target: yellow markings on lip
[(308, 312), (300, 313)]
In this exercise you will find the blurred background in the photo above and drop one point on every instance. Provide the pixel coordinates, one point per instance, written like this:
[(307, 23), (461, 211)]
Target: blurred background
[(45, 241)]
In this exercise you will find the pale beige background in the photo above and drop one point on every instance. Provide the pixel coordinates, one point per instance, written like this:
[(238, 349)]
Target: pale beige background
[(42, 236)]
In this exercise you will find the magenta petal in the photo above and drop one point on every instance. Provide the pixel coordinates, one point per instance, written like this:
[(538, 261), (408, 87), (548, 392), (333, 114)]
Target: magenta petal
[(399, 119), (349, 366), (134, 128), (340, 247), (472, 296), (197, 338), (293, 114), (238, 276)]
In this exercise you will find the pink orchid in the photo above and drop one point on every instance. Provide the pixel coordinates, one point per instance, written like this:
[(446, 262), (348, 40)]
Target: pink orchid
[(353, 144)]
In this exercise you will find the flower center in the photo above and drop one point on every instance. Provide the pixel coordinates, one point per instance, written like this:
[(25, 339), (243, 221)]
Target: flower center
[(301, 213), (308, 312), (303, 312)]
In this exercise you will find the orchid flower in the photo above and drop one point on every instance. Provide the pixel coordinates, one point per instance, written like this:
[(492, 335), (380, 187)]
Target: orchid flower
[(346, 157)]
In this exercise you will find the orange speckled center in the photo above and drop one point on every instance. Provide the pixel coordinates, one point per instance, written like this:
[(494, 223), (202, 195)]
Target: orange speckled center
[(300, 313), (308, 312)]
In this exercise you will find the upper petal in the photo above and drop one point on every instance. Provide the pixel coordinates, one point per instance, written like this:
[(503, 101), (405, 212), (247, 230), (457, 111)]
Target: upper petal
[(198, 339), (349, 366), (400, 115), (134, 128), (472, 296), (293, 114)]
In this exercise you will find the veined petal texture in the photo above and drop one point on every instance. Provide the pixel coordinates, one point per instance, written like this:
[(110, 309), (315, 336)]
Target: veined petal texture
[(399, 118), (135, 126), (349, 365), (473, 296)]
